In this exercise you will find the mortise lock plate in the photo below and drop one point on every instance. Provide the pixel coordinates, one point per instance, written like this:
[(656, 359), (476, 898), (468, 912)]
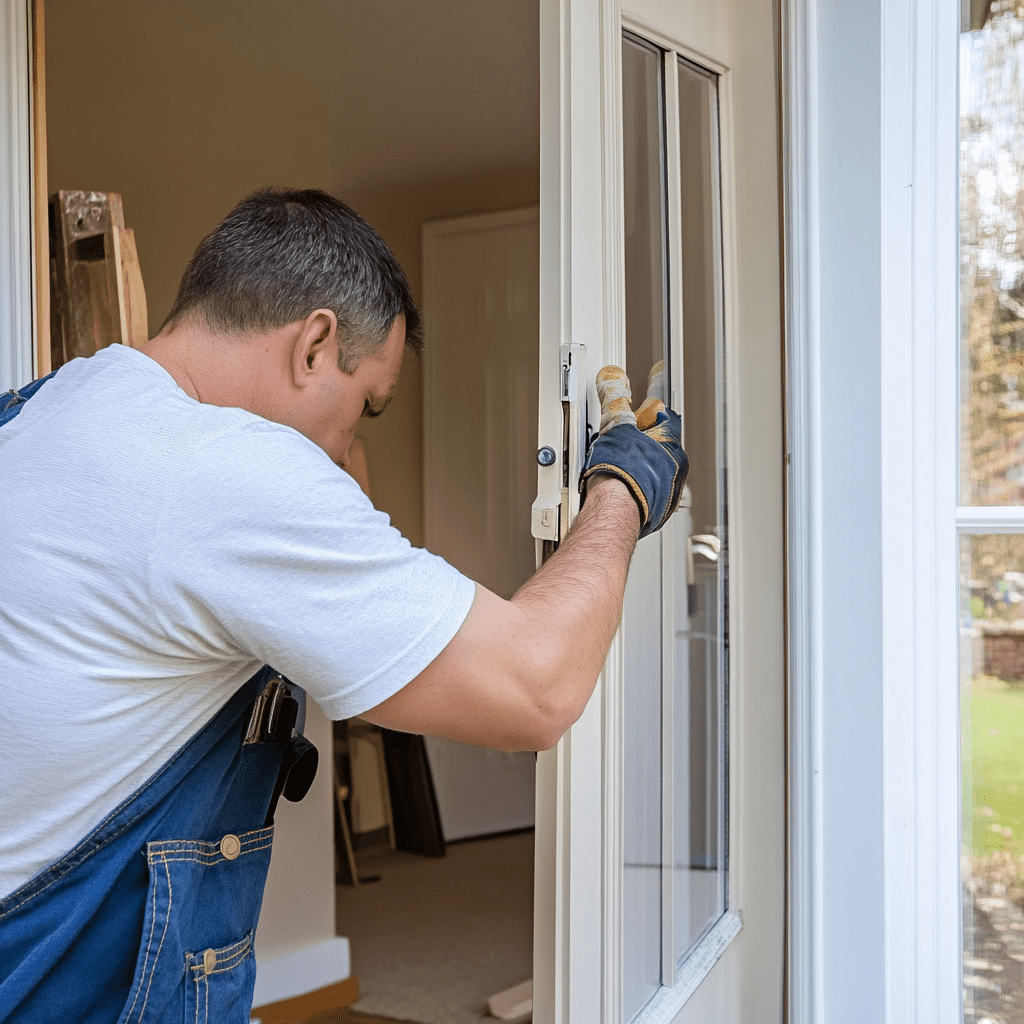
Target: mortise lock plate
[(558, 499)]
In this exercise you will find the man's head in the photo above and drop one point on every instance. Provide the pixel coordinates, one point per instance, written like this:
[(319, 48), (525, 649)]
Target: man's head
[(292, 308), (283, 253)]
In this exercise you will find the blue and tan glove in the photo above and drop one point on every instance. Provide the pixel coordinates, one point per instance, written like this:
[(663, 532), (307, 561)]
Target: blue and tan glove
[(643, 449)]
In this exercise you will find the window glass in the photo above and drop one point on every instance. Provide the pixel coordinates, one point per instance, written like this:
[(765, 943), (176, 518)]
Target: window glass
[(675, 619), (646, 226), (992, 257), (646, 343), (992, 473), (992, 744), (699, 605)]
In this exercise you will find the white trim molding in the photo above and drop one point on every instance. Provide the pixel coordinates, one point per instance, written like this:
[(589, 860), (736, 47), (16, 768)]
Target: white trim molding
[(302, 971), (989, 519), (16, 317), (919, 350), (798, 65), (869, 94)]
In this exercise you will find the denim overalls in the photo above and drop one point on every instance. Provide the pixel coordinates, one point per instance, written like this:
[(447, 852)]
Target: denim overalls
[(151, 917)]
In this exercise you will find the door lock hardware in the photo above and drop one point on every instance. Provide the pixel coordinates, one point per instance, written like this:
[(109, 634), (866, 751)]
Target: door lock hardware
[(559, 499), (574, 429)]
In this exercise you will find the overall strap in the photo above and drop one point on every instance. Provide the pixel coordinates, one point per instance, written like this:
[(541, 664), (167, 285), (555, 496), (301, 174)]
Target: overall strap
[(11, 402)]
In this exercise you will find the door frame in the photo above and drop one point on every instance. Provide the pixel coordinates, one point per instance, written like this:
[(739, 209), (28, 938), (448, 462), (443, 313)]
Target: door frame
[(893, 941), (17, 291)]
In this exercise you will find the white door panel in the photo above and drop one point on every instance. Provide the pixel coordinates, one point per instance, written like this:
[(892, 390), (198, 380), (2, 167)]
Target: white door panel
[(480, 310), (480, 279), (708, 29), (636, 785)]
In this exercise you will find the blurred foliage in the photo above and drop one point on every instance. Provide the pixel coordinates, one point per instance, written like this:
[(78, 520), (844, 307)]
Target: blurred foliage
[(992, 258)]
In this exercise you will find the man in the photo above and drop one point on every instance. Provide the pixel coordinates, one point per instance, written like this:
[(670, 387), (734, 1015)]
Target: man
[(176, 519)]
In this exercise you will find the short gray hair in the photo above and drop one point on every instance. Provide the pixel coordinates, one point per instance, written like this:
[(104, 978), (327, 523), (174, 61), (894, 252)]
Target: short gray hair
[(279, 255)]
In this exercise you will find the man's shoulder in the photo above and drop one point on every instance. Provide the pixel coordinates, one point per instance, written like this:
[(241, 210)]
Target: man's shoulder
[(235, 465)]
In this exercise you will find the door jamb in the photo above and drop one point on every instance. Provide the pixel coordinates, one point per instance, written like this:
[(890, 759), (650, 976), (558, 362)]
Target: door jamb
[(16, 227)]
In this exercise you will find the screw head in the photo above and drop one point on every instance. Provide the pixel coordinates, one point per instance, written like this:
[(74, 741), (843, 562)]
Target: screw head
[(546, 455)]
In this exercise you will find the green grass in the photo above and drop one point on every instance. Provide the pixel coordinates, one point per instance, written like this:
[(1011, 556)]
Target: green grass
[(992, 720)]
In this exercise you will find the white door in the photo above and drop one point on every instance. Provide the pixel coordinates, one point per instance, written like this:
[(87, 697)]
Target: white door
[(661, 815), (480, 280)]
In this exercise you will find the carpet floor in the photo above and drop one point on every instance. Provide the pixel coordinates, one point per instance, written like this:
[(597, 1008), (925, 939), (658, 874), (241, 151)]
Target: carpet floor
[(436, 936)]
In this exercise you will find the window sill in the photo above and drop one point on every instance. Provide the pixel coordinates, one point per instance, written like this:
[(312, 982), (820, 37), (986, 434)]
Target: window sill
[(664, 1006)]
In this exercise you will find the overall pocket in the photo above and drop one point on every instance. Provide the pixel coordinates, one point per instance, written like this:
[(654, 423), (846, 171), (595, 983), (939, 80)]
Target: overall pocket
[(195, 960), (219, 982)]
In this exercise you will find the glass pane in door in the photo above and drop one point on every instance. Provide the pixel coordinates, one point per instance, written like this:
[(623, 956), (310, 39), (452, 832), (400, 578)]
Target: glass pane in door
[(646, 333), (645, 218), (699, 607)]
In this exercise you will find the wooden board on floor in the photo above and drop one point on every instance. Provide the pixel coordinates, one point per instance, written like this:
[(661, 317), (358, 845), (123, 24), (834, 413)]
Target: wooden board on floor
[(514, 1003)]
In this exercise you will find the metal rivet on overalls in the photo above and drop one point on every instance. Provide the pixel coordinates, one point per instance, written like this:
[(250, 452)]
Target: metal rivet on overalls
[(209, 961), (230, 847)]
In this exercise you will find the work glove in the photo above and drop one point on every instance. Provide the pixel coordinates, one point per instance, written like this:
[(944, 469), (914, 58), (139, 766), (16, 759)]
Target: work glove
[(643, 449)]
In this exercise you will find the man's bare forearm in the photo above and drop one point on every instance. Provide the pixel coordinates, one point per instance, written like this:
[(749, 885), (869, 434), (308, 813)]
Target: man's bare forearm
[(574, 601), (519, 673)]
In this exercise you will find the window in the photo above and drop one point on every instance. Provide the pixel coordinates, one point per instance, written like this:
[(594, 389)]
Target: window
[(676, 649), (990, 519)]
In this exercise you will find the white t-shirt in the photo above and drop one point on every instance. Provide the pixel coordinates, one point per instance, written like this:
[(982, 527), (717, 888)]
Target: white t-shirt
[(155, 552)]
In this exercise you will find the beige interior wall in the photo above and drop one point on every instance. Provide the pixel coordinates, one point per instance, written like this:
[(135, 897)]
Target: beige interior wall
[(406, 109)]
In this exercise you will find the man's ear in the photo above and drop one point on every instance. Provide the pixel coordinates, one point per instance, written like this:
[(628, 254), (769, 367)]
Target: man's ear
[(315, 346)]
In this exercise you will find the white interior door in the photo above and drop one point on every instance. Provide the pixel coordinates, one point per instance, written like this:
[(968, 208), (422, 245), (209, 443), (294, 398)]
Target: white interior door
[(661, 815), (480, 294)]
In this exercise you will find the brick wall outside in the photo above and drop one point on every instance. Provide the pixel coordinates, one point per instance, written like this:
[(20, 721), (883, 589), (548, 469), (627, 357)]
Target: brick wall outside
[(1004, 656)]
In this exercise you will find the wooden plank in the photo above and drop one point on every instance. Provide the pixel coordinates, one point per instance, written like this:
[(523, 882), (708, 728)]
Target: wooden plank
[(134, 291), (86, 314), (116, 298), (346, 872), (40, 193), (127, 295)]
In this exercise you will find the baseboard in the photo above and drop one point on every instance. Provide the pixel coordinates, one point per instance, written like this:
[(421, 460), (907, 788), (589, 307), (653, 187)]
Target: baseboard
[(311, 968), (301, 1008)]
